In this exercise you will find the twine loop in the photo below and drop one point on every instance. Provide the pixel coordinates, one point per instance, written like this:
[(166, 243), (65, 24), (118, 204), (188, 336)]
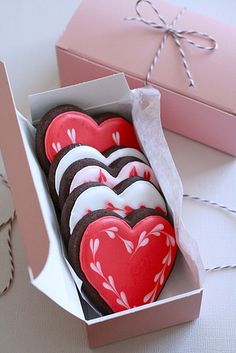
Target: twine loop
[(176, 35)]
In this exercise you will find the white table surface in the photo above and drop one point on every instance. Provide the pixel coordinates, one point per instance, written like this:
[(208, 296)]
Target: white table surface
[(29, 321)]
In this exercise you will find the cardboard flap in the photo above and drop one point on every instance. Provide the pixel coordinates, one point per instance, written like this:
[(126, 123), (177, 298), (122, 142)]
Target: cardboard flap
[(18, 172), (35, 212), (87, 95)]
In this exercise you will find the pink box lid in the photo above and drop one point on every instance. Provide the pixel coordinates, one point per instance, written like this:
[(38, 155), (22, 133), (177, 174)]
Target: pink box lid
[(98, 32)]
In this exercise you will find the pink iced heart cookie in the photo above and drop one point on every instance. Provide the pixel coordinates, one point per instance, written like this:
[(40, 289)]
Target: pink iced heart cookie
[(74, 153), (101, 175), (123, 263), (90, 170)]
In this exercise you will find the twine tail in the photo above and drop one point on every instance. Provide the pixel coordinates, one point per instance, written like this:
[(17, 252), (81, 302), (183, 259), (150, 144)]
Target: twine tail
[(221, 207), (9, 223)]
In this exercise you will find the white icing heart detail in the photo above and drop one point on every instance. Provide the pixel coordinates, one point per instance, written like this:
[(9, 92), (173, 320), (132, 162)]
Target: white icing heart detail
[(72, 135), (56, 146), (116, 137)]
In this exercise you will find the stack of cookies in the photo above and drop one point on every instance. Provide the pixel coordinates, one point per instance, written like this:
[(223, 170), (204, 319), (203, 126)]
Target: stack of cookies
[(113, 215)]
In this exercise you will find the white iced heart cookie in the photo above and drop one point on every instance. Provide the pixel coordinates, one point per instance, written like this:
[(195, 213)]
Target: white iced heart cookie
[(125, 198)]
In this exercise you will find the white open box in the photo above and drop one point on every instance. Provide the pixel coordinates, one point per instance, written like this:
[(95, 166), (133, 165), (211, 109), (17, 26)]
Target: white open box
[(180, 299)]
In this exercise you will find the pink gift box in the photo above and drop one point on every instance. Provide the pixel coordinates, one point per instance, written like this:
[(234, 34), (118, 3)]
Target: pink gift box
[(98, 42), (180, 300)]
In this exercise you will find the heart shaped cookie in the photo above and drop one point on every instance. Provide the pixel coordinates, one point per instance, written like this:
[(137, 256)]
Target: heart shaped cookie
[(123, 263), (69, 127), (70, 154), (90, 170), (130, 195)]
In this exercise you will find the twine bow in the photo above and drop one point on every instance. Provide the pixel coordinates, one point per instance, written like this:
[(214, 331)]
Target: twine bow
[(176, 35)]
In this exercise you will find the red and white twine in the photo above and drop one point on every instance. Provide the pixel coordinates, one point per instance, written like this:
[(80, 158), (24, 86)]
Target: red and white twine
[(8, 223), (221, 207), (176, 35)]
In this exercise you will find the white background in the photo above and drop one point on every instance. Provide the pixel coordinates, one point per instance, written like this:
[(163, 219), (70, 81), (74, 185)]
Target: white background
[(29, 321)]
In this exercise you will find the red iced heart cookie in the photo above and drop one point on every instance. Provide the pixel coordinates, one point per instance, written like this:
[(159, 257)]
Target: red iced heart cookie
[(127, 264), (76, 127)]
